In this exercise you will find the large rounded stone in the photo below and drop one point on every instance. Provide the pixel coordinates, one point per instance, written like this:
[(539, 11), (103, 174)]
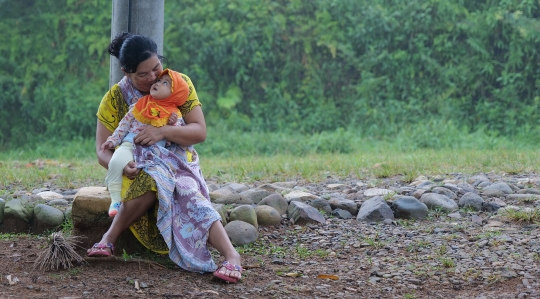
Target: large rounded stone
[(501, 186), (18, 214), (50, 195), (344, 204), (219, 193), (234, 199), (222, 212), (375, 209), (321, 204), (434, 201), (46, 218), (471, 199), (241, 233), (409, 207), (266, 215), (244, 213), (276, 201), (255, 195)]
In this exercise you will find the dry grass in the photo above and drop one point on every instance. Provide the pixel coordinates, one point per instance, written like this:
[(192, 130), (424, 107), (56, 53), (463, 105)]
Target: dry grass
[(59, 252)]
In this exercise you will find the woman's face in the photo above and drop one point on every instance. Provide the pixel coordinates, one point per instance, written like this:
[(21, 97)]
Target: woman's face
[(146, 74)]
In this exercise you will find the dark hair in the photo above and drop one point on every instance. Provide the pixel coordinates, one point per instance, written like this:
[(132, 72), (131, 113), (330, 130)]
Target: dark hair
[(132, 49)]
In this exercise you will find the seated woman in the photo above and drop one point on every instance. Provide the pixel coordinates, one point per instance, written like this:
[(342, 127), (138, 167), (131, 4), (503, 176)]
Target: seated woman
[(167, 208)]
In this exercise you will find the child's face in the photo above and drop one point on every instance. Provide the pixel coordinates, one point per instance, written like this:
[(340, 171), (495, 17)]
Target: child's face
[(162, 88)]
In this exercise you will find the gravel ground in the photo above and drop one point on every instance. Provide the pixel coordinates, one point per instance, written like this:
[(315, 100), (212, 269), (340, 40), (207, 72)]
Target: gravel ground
[(469, 254)]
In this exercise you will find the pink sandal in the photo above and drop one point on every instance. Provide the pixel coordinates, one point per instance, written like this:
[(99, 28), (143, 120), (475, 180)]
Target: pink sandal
[(230, 267), (100, 250)]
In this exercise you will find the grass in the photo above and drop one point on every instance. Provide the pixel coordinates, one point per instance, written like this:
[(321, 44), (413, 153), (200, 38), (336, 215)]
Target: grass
[(35, 168), (528, 215)]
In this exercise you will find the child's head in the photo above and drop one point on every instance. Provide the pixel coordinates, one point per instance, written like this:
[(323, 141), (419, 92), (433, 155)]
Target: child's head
[(162, 89), (171, 87), (166, 95)]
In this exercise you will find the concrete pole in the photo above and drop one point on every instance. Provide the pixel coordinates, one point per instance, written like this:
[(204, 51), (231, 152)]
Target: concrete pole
[(145, 17)]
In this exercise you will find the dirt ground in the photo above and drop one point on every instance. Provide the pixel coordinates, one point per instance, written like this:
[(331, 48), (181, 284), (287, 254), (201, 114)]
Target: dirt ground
[(266, 276)]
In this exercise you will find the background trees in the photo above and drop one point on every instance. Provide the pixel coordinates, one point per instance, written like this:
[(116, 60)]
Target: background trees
[(375, 67)]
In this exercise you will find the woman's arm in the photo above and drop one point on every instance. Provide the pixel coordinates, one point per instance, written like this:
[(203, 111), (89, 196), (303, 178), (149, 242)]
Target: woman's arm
[(192, 133)]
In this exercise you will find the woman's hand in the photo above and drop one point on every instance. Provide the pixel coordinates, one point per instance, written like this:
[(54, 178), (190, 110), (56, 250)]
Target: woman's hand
[(149, 135), (131, 171)]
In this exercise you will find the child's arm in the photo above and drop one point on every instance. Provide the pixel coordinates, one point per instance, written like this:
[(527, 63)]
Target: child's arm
[(107, 145), (121, 130), (173, 119)]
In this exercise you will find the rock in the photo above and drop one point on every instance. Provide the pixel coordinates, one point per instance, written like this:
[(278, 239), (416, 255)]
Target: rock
[(50, 195), (212, 187), (529, 191), (301, 213), (452, 187), (90, 208), (233, 198), (342, 214), (276, 201), (297, 195), (285, 185), (418, 193), (274, 188), (236, 187), (222, 212), (91, 220), (219, 193), (255, 195), (58, 202), (434, 201), (492, 193), (501, 186), (46, 218), (267, 215), (375, 209), (377, 192), (361, 184), (490, 207), (244, 213), (344, 204), (336, 186), (477, 219), (471, 200), (409, 207), (464, 188), (321, 204), (18, 214), (455, 215), (241, 233), (444, 191)]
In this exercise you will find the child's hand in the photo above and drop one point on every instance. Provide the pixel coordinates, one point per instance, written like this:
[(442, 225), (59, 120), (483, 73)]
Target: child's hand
[(107, 145), (173, 119)]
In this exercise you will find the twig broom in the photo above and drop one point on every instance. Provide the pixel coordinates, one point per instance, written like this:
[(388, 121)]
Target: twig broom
[(59, 252)]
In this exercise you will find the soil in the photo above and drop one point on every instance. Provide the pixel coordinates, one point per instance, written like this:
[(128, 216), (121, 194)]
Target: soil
[(265, 276)]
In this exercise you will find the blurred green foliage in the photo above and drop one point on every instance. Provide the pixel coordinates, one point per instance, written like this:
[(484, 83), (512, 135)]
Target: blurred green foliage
[(416, 70)]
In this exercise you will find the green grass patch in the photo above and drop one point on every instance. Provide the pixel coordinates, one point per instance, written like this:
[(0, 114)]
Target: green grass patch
[(527, 215), (73, 164)]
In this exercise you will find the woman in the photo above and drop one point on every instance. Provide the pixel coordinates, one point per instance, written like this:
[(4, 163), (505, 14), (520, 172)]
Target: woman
[(185, 235)]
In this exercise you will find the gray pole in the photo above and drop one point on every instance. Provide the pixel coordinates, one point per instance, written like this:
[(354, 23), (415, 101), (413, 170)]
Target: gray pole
[(143, 17)]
